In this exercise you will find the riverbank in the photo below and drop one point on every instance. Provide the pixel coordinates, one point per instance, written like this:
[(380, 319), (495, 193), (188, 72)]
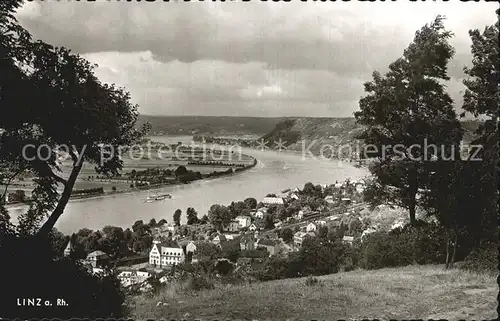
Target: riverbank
[(151, 187), (258, 145)]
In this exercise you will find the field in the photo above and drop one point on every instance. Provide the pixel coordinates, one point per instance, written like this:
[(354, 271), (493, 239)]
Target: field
[(413, 292)]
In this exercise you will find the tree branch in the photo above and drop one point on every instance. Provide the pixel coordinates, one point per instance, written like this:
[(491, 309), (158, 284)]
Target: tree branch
[(10, 181)]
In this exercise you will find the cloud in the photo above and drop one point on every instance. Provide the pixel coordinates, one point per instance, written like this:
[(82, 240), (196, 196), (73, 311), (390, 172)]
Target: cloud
[(293, 58)]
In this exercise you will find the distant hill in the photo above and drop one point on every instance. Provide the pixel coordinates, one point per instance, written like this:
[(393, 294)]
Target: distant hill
[(291, 130), (317, 132), (207, 125)]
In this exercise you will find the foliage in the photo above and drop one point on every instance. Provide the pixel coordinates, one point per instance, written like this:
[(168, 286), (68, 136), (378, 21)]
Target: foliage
[(251, 203), (484, 259), (42, 274), (177, 217), (192, 216), (311, 281), (81, 119), (219, 216), (287, 235), (97, 190), (223, 267), (409, 107), (421, 244)]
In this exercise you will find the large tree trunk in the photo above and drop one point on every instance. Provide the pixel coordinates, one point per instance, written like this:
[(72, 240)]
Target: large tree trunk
[(413, 188), (455, 241), (63, 201), (412, 209)]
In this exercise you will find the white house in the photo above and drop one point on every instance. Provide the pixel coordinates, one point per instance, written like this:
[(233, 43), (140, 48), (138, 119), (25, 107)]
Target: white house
[(68, 249), (360, 188), (368, 231), (244, 221), (97, 258), (294, 196), (348, 239), (191, 247), (165, 254), (232, 227), (222, 238), (299, 215), (329, 199), (273, 201), (252, 227), (346, 200), (311, 227), (298, 238), (260, 214), (321, 223), (333, 218)]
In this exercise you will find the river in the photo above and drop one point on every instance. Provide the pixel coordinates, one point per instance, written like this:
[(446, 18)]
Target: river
[(274, 172)]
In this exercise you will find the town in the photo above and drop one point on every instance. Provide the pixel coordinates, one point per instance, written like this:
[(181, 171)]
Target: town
[(244, 233)]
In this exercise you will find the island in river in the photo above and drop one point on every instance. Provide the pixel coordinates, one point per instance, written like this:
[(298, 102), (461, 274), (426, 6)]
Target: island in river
[(152, 166)]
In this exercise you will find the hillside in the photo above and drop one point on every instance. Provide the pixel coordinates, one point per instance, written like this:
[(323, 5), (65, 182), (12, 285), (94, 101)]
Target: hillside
[(413, 292), (317, 132), (216, 126)]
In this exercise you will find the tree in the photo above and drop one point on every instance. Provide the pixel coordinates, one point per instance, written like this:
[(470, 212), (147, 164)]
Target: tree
[(204, 219), (269, 222), (287, 235), (207, 251), (152, 223), (408, 108), (177, 217), (323, 232), (138, 226), (219, 216), (237, 208), (309, 189), (162, 221), (463, 196), (481, 99), (192, 216), (82, 119), (114, 243), (251, 203)]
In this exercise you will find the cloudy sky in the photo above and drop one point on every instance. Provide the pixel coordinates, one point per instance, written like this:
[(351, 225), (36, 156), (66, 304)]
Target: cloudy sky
[(248, 59)]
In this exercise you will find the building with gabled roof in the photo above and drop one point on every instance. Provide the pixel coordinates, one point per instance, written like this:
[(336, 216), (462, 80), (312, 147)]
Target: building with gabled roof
[(97, 258), (273, 201), (166, 254)]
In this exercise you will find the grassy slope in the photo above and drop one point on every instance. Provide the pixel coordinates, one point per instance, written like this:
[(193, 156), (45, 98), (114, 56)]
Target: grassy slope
[(410, 292)]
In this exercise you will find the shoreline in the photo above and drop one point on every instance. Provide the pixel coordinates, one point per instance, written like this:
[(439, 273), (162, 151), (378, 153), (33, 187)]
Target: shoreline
[(149, 188)]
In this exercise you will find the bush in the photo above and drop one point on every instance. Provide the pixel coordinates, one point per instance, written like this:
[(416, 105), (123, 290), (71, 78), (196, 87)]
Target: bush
[(311, 281), (483, 259), (38, 273), (198, 282), (383, 249), (421, 244)]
